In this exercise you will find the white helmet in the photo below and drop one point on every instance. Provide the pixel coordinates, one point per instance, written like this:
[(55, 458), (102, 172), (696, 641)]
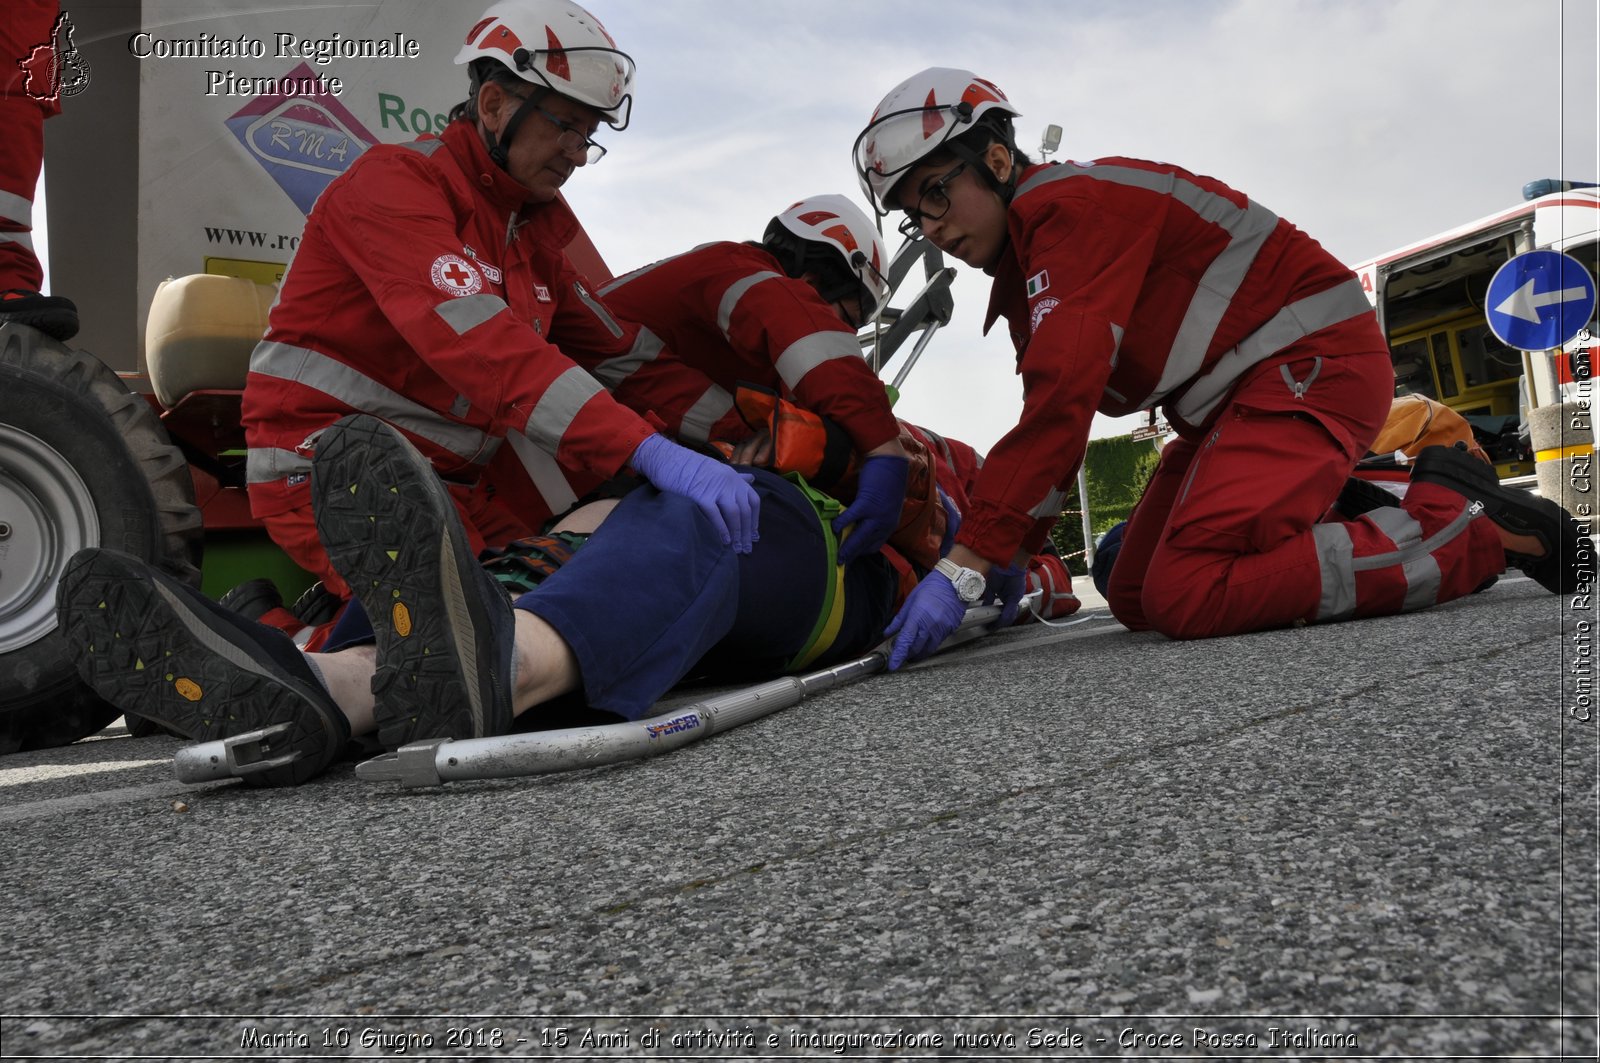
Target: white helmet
[(836, 223), (557, 44), (918, 117)]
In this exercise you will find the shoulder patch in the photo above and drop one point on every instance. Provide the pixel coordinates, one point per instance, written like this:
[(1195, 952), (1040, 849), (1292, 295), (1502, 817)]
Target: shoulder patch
[(455, 276)]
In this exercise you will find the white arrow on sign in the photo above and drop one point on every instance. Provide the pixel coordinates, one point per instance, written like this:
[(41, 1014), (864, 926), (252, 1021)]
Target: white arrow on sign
[(1524, 304)]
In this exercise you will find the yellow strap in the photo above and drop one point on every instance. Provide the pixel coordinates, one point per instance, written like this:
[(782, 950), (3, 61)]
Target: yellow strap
[(831, 617), (1582, 450)]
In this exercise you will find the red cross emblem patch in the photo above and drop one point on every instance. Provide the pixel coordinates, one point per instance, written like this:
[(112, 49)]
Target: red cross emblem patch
[(454, 275)]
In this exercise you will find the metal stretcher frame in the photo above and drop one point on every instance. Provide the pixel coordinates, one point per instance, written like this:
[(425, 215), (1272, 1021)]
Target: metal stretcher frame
[(437, 761)]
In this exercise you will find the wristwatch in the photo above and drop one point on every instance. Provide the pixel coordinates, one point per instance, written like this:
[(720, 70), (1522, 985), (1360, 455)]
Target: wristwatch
[(968, 582)]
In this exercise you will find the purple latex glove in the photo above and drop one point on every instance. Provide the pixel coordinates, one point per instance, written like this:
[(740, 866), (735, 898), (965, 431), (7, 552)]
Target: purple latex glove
[(875, 513), (1006, 586), (952, 522), (932, 611), (723, 494)]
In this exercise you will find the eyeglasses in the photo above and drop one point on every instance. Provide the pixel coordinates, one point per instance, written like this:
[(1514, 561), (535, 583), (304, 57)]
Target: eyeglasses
[(572, 141), (933, 203)]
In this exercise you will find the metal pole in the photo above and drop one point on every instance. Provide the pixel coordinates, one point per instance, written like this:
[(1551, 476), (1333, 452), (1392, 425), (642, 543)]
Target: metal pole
[(1083, 506), (438, 761), (916, 352)]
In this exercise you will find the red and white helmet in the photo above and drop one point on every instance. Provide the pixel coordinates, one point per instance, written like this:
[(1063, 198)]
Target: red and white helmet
[(557, 44), (836, 222), (918, 117)]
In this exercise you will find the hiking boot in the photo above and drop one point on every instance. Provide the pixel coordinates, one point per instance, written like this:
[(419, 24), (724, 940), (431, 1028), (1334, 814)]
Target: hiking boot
[(444, 628), (1518, 512), (54, 315), (161, 650)]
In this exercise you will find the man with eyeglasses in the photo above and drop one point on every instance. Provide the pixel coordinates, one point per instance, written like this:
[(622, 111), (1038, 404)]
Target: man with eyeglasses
[(431, 290), (1129, 284)]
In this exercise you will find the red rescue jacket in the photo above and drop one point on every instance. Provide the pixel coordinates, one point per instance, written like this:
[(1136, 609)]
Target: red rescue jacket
[(729, 311), (1126, 285), (425, 291)]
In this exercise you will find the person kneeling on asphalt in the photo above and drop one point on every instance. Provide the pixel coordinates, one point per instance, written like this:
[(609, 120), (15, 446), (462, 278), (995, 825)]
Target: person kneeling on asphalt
[(652, 596), (1129, 284)]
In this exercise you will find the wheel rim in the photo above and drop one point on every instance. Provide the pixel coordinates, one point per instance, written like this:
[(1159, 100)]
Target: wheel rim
[(46, 516)]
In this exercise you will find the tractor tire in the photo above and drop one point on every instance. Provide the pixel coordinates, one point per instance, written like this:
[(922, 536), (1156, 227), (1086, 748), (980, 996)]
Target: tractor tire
[(83, 462)]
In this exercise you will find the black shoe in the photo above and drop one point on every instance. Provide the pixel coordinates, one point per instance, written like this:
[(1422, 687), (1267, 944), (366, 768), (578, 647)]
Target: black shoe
[(160, 649), (1519, 512), (253, 598), (54, 315), (1360, 496), (444, 627)]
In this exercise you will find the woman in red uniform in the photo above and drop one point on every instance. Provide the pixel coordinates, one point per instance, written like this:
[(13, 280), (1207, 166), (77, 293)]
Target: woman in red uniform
[(1129, 284)]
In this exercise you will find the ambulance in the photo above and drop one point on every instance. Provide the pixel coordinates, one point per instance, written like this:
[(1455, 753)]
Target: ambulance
[(1430, 299)]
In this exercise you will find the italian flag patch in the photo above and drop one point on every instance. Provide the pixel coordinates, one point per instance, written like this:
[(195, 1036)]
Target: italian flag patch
[(1038, 282)]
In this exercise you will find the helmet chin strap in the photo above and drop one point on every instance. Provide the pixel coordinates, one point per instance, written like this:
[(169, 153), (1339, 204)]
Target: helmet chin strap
[(1004, 189), (498, 145)]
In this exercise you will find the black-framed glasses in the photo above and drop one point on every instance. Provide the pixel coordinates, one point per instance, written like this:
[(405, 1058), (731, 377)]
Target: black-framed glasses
[(572, 141), (932, 203)]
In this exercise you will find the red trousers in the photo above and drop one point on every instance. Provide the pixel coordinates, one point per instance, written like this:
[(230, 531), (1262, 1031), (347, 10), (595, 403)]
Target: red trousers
[(26, 25), (1233, 534)]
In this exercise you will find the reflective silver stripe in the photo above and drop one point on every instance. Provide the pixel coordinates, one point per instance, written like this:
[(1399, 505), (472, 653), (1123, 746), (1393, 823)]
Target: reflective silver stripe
[(613, 371), (310, 369), (704, 414), (1421, 571), (546, 475), (735, 292), (424, 147), (15, 209), (1248, 228), (599, 311), (1051, 506), (1288, 326), (1335, 555), (263, 465), (1117, 332), (808, 352), (24, 239), (558, 407), (469, 311), (616, 282), (1413, 554)]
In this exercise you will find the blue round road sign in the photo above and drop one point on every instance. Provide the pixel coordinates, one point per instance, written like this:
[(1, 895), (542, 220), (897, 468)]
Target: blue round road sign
[(1539, 300)]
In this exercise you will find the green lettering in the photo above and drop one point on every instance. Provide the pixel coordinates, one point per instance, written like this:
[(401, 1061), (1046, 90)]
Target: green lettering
[(388, 105)]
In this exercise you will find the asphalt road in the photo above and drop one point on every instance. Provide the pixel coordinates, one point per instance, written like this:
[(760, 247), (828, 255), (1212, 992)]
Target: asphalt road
[(1369, 839)]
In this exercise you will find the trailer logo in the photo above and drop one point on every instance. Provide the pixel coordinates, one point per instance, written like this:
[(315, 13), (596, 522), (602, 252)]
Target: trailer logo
[(302, 139), (55, 68), (682, 723)]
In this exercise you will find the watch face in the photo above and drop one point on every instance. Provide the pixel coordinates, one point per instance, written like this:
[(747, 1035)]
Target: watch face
[(970, 587)]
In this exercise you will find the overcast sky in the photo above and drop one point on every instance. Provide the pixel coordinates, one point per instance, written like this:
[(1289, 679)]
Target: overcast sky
[(1368, 123)]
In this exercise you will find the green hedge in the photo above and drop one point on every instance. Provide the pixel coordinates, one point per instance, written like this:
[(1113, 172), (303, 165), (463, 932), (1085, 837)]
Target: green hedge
[(1118, 469)]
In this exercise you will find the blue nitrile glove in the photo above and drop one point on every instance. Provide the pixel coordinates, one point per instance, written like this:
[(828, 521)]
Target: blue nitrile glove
[(932, 611), (875, 514), (1005, 586), (723, 494), (952, 522)]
